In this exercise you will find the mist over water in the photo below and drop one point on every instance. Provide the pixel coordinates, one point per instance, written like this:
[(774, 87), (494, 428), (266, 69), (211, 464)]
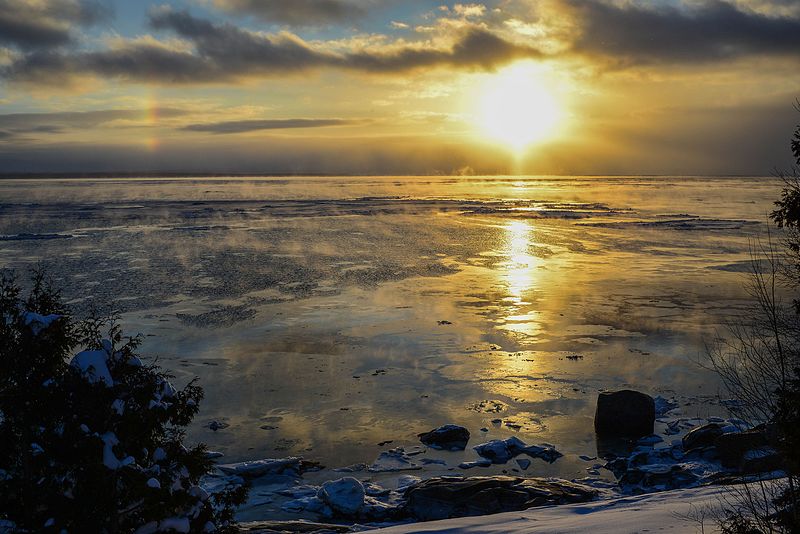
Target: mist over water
[(326, 315)]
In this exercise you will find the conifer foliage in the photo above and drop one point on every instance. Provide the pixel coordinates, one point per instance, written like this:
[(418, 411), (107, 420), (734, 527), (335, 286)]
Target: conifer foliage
[(90, 435)]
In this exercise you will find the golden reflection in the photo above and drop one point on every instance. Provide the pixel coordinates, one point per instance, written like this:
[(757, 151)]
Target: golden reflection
[(520, 273), (521, 268)]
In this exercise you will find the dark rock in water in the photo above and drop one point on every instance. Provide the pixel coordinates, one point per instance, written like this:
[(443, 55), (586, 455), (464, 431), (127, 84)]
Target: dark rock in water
[(447, 437), (702, 436), (732, 446), (624, 413), (216, 425), (446, 497)]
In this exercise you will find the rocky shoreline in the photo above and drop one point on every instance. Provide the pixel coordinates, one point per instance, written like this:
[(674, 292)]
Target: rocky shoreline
[(687, 453)]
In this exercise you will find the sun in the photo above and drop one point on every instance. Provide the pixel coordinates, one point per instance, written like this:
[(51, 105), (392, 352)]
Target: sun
[(517, 107)]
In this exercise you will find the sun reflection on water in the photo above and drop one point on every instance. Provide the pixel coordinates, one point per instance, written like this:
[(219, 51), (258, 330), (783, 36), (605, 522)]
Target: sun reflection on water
[(520, 276), (520, 271)]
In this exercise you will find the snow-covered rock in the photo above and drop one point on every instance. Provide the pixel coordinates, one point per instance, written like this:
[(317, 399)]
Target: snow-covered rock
[(345, 496)]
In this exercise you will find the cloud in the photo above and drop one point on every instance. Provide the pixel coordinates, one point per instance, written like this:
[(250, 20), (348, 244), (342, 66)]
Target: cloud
[(464, 37), (45, 23), (233, 127), (216, 53), (705, 31), (297, 12), (18, 126)]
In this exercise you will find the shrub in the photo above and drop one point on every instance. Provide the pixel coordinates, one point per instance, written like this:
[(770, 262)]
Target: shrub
[(92, 442)]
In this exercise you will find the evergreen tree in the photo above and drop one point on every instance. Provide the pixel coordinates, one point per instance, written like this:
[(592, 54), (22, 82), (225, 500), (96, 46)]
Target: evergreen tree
[(92, 442)]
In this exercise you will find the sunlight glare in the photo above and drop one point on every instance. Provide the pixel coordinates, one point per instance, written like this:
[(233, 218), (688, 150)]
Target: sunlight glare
[(517, 108)]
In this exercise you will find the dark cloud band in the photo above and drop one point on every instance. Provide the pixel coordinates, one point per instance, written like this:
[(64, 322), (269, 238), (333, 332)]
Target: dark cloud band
[(234, 127), (712, 30)]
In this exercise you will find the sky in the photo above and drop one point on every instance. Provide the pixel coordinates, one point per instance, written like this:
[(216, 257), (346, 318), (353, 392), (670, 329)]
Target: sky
[(689, 87)]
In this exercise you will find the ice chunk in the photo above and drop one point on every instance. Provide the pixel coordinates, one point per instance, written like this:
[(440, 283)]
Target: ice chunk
[(258, 468), (664, 405), (394, 460), (501, 451)]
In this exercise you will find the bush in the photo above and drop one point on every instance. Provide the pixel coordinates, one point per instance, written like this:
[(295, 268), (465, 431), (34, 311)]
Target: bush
[(93, 442), (760, 367)]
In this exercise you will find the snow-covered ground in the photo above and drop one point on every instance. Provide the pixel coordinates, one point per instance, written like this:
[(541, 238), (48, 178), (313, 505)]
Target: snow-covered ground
[(666, 511)]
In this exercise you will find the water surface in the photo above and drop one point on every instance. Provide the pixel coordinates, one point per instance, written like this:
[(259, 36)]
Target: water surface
[(327, 315)]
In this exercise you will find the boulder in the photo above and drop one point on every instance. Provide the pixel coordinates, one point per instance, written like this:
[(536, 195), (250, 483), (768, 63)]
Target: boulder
[(732, 446), (658, 476), (703, 436), (344, 496), (447, 437), (447, 497), (624, 413), (761, 460)]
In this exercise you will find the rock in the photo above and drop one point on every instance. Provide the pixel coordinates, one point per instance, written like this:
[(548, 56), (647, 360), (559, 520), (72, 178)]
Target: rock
[(501, 451), (732, 446), (216, 425), (702, 436), (345, 496), (761, 460), (447, 437), (446, 497), (624, 413), (658, 476)]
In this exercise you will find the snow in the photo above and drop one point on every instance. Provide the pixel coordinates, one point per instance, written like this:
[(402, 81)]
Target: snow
[(172, 524), (118, 406), (39, 322), (660, 512), (94, 366), (110, 459)]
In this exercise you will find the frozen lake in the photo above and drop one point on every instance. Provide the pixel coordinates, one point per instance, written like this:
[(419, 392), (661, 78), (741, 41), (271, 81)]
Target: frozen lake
[(327, 316)]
